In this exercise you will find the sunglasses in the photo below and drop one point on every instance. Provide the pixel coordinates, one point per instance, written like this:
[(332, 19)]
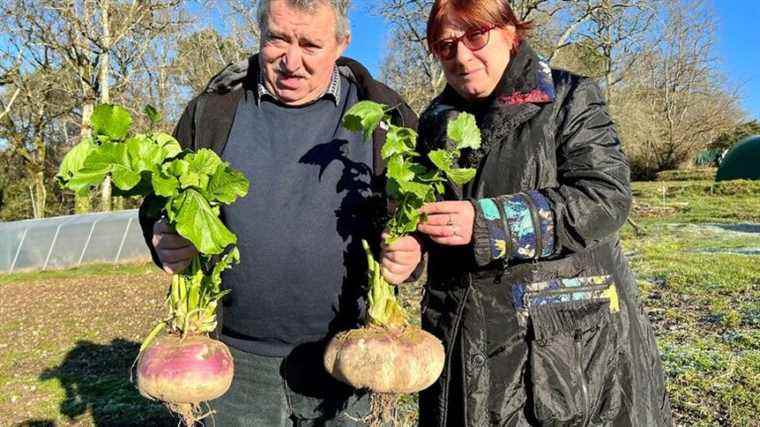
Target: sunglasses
[(474, 39)]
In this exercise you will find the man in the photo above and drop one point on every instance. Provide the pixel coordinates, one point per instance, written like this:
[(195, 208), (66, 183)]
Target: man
[(314, 195)]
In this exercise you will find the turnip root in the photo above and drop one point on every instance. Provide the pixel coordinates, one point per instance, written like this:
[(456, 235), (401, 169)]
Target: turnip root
[(386, 360), (182, 373), (185, 367), (387, 356)]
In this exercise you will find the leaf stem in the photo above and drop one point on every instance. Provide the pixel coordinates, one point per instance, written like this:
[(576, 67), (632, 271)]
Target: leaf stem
[(383, 309)]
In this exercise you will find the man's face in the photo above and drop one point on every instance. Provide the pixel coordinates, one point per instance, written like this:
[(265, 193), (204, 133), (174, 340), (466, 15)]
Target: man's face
[(298, 51)]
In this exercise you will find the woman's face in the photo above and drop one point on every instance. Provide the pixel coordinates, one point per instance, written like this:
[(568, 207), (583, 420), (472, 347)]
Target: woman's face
[(475, 73)]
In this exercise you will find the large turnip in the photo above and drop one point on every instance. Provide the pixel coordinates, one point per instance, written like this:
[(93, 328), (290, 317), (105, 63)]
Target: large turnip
[(388, 355), (184, 367)]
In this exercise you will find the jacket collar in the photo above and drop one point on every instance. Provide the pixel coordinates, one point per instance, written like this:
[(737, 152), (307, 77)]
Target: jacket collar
[(527, 79)]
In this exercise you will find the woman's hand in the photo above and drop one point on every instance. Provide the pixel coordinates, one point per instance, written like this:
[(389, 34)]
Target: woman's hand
[(449, 222), (400, 258)]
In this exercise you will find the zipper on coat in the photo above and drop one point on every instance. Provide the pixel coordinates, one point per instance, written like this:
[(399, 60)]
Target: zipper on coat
[(569, 290), (450, 352), (536, 224), (578, 337)]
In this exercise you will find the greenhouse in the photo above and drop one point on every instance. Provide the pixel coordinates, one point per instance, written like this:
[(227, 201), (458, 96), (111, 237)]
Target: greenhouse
[(69, 241)]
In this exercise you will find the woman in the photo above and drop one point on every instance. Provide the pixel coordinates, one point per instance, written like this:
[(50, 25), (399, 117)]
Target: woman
[(527, 285)]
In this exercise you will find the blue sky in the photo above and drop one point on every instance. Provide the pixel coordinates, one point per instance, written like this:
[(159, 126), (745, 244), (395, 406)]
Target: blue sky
[(738, 45), (368, 36), (739, 48)]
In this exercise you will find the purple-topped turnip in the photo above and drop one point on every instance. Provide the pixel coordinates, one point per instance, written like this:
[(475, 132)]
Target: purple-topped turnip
[(183, 367)]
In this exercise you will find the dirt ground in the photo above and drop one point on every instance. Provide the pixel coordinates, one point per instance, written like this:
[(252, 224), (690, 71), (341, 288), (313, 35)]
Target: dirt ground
[(67, 345)]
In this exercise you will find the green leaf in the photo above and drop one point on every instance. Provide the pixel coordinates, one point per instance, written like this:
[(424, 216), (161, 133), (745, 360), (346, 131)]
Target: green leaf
[(226, 185), (169, 210), (164, 185), (153, 115), (442, 159), (144, 153), (111, 120), (104, 157), (392, 189), (419, 190), (84, 180), (226, 262), (204, 161), (196, 221), (392, 147), (402, 224), (364, 116), (74, 160), (194, 180), (429, 176), (398, 140), (176, 168), (124, 178), (460, 176), (167, 142), (399, 169), (464, 132), (99, 162)]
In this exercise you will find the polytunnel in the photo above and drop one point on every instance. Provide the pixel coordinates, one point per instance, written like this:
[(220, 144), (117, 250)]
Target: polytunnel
[(70, 241)]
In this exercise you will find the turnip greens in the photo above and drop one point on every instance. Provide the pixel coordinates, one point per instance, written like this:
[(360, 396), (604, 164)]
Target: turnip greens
[(410, 184), (189, 187)]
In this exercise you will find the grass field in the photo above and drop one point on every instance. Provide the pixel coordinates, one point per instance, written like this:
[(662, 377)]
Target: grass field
[(68, 338)]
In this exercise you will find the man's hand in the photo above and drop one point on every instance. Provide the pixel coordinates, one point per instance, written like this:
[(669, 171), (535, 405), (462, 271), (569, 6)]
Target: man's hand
[(448, 223), (174, 251), (400, 258)]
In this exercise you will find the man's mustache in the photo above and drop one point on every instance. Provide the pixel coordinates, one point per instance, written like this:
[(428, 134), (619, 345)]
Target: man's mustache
[(286, 74)]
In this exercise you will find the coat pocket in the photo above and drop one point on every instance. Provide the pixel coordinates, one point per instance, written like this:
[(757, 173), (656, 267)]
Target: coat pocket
[(574, 350)]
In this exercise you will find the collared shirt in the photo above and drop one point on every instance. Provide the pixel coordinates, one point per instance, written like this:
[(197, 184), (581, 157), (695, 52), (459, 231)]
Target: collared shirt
[(333, 90)]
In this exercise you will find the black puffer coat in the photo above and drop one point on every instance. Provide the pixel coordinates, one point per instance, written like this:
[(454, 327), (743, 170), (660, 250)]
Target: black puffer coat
[(555, 335)]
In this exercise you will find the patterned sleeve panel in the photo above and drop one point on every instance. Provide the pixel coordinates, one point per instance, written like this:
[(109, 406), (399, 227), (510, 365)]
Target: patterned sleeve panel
[(516, 226)]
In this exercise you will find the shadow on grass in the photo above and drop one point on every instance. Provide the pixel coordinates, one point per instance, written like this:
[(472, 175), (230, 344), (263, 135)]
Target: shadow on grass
[(96, 378)]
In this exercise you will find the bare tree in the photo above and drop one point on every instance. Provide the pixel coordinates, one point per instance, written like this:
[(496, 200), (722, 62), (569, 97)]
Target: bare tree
[(594, 37), (413, 72), (30, 126), (181, 62), (202, 54), (100, 41), (619, 32), (408, 67), (676, 103), (9, 72)]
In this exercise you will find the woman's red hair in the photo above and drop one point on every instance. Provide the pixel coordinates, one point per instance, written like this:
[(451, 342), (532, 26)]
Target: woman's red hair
[(474, 13)]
